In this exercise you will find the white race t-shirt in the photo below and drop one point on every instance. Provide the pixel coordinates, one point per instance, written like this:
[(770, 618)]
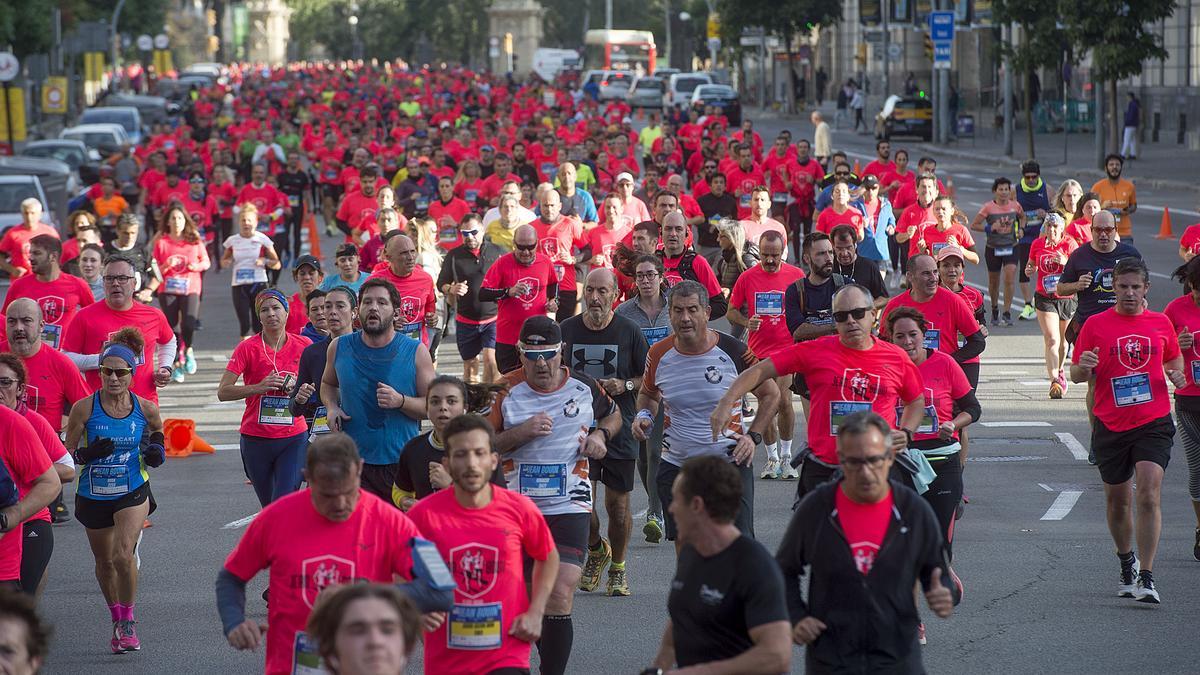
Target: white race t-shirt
[(246, 252)]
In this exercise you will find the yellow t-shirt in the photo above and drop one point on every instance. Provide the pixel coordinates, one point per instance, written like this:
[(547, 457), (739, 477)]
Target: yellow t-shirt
[(1115, 198)]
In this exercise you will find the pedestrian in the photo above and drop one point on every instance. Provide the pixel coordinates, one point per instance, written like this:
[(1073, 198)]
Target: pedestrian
[(858, 101), (1133, 119), (1118, 196), (822, 80)]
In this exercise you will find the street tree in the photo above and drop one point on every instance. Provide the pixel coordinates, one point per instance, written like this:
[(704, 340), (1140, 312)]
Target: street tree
[(1043, 45)]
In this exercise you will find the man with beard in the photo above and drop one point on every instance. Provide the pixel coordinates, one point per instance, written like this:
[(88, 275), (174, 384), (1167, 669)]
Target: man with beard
[(681, 263), (575, 202), (374, 385), (848, 263), (612, 350), (524, 284), (356, 214), (417, 311), (1117, 196), (882, 165), (58, 295)]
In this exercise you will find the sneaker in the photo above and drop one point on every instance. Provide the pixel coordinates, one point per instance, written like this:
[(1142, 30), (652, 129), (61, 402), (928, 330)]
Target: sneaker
[(1196, 546), (115, 643), (189, 362), (995, 317), (1128, 583), (1062, 380), (958, 585), (653, 529), (1145, 591), (789, 471), (596, 562), (618, 583), (60, 514), (1056, 390), (177, 374), (1008, 319), (772, 470), (1091, 457), (1028, 313), (921, 633), (129, 640)]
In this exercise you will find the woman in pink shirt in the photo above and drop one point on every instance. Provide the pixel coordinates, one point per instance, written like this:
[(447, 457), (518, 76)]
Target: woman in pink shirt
[(181, 256)]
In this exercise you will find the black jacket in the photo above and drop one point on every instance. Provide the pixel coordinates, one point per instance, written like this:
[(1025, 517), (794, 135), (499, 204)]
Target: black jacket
[(871, 621), (461, 264)]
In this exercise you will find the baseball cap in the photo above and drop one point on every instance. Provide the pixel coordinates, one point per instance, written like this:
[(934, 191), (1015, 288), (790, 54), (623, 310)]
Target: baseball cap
[(627, 120), (487, 147), (870, 181), (310, 260), (948, 252), (422, 160), (540, 331), (345, 250), (624, 175)]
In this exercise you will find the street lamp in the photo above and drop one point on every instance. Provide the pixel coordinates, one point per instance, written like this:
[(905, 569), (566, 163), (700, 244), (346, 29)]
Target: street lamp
[(354, 47), (685, 20)]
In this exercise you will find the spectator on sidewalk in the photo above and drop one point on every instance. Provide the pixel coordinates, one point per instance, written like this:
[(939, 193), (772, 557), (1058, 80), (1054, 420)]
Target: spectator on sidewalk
[(822, 139), (1133, 117)]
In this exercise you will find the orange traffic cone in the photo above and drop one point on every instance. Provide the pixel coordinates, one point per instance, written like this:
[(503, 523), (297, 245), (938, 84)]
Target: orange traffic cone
[(1164, 230), (182, 439), (314, 237), (857, 168)]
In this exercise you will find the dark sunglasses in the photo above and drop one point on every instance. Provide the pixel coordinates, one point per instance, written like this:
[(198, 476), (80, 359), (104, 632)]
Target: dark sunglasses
[(858, 313), (119, 372), (526, 247), (468, 233)]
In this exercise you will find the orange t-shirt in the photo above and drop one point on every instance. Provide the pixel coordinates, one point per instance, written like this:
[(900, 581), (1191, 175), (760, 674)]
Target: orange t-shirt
[(1113, 198), (107, 207)]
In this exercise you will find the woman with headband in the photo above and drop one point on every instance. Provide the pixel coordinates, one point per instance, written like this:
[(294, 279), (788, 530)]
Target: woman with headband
[(272, 439), (115, 435)]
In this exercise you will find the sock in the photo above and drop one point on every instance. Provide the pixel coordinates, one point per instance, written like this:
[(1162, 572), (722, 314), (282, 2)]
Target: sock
[(616, 565), (129, 612), (558, 632), (785, 447), (1126, 559), (772, 451), (114, 610)]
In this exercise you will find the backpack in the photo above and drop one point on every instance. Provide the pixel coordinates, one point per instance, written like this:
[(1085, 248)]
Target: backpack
[(839, 280)]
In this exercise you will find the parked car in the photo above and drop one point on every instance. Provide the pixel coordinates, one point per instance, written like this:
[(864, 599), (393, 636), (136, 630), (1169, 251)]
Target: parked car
[(105, 138), (13, 191), (84, 161), (176, 90), (127, 116), (54, 178), (616, 85), (905, 116), (681, 85), (665, 73), (720, 96), (154, 109), (647, 92)]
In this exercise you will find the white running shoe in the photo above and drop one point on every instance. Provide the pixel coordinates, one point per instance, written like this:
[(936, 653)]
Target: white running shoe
[(789, 471), (1129, 579), (771, 471)]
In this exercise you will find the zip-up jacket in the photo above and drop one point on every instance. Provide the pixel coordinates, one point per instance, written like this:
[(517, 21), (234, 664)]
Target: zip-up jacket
[(871, 620)]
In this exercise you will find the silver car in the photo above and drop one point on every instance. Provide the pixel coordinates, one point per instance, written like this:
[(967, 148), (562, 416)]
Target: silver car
[(647, 92)]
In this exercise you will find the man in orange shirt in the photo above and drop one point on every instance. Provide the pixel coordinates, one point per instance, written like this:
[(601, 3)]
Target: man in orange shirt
[(109, 205), (1117, 196)]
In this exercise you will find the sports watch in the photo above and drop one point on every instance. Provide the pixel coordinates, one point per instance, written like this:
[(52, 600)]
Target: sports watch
[(628, 385)]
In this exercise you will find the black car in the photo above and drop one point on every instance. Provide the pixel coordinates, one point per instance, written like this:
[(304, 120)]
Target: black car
[(720, 96), (83, 160)]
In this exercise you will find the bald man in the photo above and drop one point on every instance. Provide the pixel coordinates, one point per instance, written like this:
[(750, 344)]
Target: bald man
[(417, 315), (523, 284), (611, 350)]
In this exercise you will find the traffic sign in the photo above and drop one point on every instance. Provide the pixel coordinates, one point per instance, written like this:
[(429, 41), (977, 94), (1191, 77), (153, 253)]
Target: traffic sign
[(54, 96), (941, 55), (9, 67), (161, 41), (894, 51), (941, 26), (145, 43), (713, 27), (714, 45)]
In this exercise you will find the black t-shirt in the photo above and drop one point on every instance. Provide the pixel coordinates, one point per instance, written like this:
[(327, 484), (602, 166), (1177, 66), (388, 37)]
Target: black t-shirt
[(617, 351), (864, 273), (1100, 296), (310, 370), (412, 472), (715, 208), (461, 264), (817, 309), (292, 184), (714, 602)]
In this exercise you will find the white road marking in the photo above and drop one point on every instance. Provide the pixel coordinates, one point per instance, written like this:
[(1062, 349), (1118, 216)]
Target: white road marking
[(1032, 383), (1012, 361), (1063, 503), (228, 446), (1014, 458), (239, 523), (1011, 372), (1153, 207), (1015, 424), (1160, 275), (1077, 450)]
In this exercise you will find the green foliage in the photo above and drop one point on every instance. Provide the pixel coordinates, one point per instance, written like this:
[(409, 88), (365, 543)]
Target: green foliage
[(26, 26), (784, 19), (1121, 35), (1044, 38)]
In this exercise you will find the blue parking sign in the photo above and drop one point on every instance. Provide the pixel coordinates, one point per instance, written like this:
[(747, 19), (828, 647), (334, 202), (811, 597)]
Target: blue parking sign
[(941, 26)]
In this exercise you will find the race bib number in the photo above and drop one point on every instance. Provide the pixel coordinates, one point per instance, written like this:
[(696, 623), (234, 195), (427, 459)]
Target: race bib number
[(1002, 252), (264, 226), (51, 334), (1133, 389), (412, 330), (1050, 282), (840, 410), (543, 480), (559, 270), (176, 285), (768, 303), (448, 234), (1032, 220), (1116, 213), (306, 660), (744, 201), (320, 421), (779, 197), (939, 246), (933, 338), (471, 195), (108, 479), (929, 421), (273, 411), (293, 201), (655, 333), (331, 175), (243, 276), (422, 203), (475, 626)]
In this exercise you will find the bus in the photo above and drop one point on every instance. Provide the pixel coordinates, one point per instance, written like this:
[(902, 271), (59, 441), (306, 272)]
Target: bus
[(620, 50)]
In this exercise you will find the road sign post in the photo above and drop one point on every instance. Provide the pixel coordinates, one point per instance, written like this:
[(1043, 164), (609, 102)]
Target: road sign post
[(941, 33), (9, 67)]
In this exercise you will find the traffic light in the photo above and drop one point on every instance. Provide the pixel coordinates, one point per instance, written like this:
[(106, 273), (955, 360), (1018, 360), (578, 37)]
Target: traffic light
[(928, 47)]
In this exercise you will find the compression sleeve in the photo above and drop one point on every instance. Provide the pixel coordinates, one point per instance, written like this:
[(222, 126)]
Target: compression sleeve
[(164, 354), (231, 600), (493, 294), (972, 348), (84, 362), (970, 405)]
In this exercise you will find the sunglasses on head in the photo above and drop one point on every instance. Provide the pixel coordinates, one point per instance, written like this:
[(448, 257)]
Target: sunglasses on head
[(526, 247), (119, 372), (858, 313)]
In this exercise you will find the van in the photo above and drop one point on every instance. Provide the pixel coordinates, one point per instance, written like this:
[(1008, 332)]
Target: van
[(681, 85), (128, 117)]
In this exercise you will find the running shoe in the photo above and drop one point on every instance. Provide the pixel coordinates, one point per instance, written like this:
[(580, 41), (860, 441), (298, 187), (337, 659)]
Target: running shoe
[(129, 640), (995, 317), (1056, 390), (1145, 591), (1028, 313), (618, 583), (1062, 380), (1129, 579), (1196, 546), (177, 374), (772, 470), (189, 362), (653, 529), (115, 643), (60, 514), (957, 584), (921, 633), (1091, 457), (1008, 319), (789, 471), (596, 562)]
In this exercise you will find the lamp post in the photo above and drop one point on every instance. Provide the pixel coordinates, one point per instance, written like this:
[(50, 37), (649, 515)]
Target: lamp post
[(685, 20), (355, 52)]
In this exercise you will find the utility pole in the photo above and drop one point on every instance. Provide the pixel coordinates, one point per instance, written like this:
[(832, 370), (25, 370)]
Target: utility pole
[(1098, 118), (116, 42), (667, 29), (608, 14), (885, 46), (1007, 92)]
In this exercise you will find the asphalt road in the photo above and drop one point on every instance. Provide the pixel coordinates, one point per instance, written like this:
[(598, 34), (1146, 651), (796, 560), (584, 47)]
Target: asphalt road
[(1040, 592)]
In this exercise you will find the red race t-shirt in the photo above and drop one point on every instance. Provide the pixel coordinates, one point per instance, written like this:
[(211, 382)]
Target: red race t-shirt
[(95, 324), (484, 549), (373, 545), (417, 299), (741, 184), (267, 415), (945, 382), (513, 310), (15, 243), (52, 383), (55, 450), (59, 300), (358, 211), (1131, 388), (842, 381), (829, 219), (25, 460), (935, 240), (914, 220), (1185, 315), (448, 216), (1190, 241), (556, 241), (181, 263), (754, 230), (865, 526), (1048, 262), (602, 242), (946, 314), (702, 271), (759, 293)]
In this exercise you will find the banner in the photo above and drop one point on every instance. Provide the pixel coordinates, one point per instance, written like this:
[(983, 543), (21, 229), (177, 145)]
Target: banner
[(54, 96)]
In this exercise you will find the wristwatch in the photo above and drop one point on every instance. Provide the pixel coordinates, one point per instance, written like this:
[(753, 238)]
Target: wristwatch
[(3, 522), (628, 385), (755, 436), (908, 433)]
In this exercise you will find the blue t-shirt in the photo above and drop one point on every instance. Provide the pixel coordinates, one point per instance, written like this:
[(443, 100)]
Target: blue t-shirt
[(380, 434), (333, 281)]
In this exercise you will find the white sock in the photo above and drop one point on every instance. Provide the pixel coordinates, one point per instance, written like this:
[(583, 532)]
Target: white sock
[(785, 447), (772, 451)]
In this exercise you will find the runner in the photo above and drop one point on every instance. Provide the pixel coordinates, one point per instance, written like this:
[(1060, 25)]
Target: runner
[(558, 237), (374, 385), (523, 284), (126, 246), (27, 637), (294, 183), (681, 263), (842, 212), (854, 267), (272, 440), (945, 231), (746, 631), (251, 254), (182, 257), (339, 304), (611, 350), (1034, 198), (364, 629), (350, 536), (461, 279), (1184, 312), (14, 245), (417, 311), (1080, 226), (1047, 256), (759, 219), (716, 205), (685, 373), (116, 435), (1003, 220), (91, 269), (550, 422), (58, 295), (349, 273), (308, 275), (1131, 352), (757, 303), (1117, 196)]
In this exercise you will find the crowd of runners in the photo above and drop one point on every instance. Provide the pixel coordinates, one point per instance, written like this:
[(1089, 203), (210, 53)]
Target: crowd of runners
[(575, 265)]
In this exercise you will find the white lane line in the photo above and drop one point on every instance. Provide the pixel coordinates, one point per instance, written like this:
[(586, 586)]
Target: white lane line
[(239, 523), (1015, 424), (228, 446), (1011, 372), (1013, 458), (1160, 275), (1154, 207), (1077, 450), (1032, 383), (1063, 503)]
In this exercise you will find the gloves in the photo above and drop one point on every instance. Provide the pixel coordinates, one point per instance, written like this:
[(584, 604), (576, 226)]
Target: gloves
[(8, 489), (99, 448), (153, 451)]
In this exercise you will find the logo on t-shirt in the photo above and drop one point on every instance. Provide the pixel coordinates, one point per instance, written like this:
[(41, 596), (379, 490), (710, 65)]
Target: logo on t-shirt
[(322, 572), (474, 568), (713, 375), (571, 408), (409, 308), (598, 361), (859, 385), (711, 596), (864, 555), (1133, 351), (53, 308), (533, 284)]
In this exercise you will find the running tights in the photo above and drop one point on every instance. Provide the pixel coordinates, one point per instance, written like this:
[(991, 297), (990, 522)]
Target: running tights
[(944, 494), (1189, 424), (182, 313), (554, 647), (274, 464), (243, 307)]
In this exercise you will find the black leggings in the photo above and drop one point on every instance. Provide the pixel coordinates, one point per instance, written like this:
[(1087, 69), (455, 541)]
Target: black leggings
[(37, 546), (943, 495), (243, 307), (182, 311)]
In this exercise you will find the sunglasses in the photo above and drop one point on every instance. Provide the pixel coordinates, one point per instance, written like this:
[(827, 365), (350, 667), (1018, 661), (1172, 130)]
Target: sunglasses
[(857, 313), (542, 354), (526, 247), (468, 233), (119, 372), (7, 382)]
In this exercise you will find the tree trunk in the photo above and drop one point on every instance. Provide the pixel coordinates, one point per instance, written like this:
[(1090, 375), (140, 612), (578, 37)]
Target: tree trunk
[(1029, 108), (1115, 115)]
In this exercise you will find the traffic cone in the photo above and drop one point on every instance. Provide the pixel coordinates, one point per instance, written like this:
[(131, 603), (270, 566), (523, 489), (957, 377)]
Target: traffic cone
[(314, 237), (182, 439), (857, 168), (1164, 230)]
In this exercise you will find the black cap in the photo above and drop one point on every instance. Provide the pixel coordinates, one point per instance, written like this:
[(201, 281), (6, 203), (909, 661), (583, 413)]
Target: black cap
[(310, 260), (870, 181), (346, 249), (540, 331)]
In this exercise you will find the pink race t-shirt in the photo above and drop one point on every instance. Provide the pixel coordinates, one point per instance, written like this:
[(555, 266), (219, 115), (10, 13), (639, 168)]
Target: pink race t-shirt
[(95, 324), (759, 293), (59, 301), (181, 263), (513, 310), (25, 460), (946, 314), (268, 415), (1185, 315), (865, 526), (1131, 387), (15, 243)]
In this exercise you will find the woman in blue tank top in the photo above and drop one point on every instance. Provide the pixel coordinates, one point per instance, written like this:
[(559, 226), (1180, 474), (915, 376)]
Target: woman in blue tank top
[(115, 435)]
